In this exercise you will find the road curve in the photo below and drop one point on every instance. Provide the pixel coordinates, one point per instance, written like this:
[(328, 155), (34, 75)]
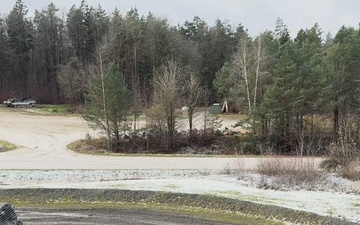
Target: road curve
[(42, 141)]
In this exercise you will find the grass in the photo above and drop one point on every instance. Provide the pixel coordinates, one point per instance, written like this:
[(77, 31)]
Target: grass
[(281, 166), (6, 146), (207, 214), (239, 195), (292, 171), (54, 109)]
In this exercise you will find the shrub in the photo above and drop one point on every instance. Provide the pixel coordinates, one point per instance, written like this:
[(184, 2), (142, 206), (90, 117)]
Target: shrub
[(290, 171), (344, 154), (344, 158), (352, 171)]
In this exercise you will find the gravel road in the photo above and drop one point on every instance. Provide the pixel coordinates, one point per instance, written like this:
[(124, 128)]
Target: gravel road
[(42, 160), (42, 141)]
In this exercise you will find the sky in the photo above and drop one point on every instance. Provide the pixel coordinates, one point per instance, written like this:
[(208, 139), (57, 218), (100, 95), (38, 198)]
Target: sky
[(255, 15)]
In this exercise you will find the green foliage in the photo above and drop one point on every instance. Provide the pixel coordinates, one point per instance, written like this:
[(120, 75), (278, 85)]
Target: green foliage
[(222, 82), (243, 78), (57, 109), (278, 81), (108, 102), (47, 21), (342, 74), (21, 42), (281, 97), (296, 90)]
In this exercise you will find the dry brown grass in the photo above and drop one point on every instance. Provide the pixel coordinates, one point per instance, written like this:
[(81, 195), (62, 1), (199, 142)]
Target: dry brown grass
[(294, 170), (344, 159), (280, 165), (352, 171)]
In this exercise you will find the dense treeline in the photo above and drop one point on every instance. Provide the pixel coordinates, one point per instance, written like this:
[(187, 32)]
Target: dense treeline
[(33, 51), (288, 87)]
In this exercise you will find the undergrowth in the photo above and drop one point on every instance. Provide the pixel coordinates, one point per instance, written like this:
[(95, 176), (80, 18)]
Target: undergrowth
[(293, 172)]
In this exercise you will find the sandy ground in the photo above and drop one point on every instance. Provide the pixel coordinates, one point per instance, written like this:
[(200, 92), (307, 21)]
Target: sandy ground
[(42, 152), (42, 144)]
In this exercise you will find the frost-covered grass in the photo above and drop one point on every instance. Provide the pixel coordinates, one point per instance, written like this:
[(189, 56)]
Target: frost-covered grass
[(332, 196)]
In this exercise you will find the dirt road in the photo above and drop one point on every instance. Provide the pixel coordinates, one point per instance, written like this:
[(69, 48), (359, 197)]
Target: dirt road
[(42, 141)]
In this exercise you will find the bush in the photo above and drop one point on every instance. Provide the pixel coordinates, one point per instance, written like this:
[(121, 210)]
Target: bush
[(352, 171), (344, 154), (345, 159), (290, 171), (152, 142)]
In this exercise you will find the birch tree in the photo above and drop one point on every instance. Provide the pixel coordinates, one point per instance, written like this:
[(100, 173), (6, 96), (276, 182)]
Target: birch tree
[(242, 64), (243, 75)]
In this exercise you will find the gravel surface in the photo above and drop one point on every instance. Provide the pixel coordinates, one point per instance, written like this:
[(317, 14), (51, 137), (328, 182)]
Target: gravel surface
[(43, 161), (42, 141)]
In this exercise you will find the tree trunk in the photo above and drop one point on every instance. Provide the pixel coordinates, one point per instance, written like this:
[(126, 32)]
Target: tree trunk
[(246, 76), (106, 119), (190, 117), (336, 122), (259, 49)]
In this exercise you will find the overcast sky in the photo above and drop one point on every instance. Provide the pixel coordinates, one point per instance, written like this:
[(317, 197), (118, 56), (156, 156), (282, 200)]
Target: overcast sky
[(255, 15)]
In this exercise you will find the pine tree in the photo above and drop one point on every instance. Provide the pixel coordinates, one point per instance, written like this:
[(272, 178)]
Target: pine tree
[(21, 40), (48, 51), (342, 67), (108, 101), (281, 97)]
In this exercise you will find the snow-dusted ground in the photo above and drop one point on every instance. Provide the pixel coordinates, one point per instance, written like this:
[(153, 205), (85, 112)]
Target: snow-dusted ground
[(42, 144), (332, 196)]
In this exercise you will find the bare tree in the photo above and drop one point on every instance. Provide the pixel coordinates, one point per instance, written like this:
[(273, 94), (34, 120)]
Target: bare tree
[(166, 93), (70, 80), (194, 93)]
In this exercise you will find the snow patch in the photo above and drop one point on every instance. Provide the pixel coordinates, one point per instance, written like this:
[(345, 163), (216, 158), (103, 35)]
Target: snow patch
[(332, 196)]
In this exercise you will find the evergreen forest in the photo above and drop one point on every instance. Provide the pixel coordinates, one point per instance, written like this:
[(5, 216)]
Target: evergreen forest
[(300, 95)]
